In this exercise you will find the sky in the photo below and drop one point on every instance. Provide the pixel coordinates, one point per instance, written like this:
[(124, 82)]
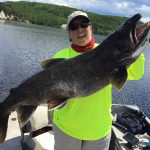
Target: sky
[(125, 8)]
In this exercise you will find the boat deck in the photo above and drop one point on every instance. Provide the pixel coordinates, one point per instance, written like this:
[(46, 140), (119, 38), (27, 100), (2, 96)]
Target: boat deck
[(45, 141), (13, 134)]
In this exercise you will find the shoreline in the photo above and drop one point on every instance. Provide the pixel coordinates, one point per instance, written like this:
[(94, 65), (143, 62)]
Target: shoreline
[(2, 20)]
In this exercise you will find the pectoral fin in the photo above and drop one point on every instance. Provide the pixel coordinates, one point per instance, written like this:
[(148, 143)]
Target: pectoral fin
[(119, 77), (24, 113), (49, 62), (56, 104)]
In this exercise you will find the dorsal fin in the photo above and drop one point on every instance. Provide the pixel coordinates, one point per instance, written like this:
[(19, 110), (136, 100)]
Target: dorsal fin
[(49, 62)]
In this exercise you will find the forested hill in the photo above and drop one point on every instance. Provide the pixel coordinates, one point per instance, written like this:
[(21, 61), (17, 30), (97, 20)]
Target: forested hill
[(55, 15)]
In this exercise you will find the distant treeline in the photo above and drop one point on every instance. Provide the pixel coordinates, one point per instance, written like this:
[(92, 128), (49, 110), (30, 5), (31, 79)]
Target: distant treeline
[(55, 15)]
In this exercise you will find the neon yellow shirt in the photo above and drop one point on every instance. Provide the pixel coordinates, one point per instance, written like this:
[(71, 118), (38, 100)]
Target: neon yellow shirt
[(89, 118)]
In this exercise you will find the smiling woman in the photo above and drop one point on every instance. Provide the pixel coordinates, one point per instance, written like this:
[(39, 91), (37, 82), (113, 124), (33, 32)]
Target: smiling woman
[(80, 29), (70, 122), (82, 137)]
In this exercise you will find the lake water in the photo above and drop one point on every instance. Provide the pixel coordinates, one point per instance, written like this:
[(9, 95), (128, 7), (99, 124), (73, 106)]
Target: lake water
[(24, 46)]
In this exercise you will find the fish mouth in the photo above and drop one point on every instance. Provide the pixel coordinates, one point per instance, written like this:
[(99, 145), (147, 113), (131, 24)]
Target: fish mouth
[(140, 33)]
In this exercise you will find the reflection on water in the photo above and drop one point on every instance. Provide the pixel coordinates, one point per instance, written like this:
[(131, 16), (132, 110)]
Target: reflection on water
[(24, 46)]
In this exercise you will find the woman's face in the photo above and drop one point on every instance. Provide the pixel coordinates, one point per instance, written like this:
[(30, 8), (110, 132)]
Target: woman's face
[(82, 31)]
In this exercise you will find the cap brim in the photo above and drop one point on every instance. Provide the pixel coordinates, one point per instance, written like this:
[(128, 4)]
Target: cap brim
[(77, 17)]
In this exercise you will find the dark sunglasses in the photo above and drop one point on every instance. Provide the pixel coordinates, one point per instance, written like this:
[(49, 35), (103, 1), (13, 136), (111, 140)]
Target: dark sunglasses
[(75, 26)]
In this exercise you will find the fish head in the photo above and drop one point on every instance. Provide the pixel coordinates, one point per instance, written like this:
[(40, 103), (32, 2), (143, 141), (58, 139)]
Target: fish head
[(125, 45), (125, 34), (131, 40)]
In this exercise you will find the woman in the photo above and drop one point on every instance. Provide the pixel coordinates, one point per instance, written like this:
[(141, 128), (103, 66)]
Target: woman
[(85, 123)]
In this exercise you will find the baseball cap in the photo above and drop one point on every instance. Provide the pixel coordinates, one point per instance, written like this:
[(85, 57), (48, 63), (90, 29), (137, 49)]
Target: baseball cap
[(76, 14)]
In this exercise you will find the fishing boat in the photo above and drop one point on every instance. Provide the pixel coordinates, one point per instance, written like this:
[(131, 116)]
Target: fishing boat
[(130, 131), (131, 128)]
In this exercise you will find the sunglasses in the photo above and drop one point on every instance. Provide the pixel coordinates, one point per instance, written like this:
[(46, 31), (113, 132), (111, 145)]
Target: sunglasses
[(75, 26)]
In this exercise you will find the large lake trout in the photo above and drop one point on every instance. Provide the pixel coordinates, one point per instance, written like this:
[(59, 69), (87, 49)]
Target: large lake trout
[(79, 76)]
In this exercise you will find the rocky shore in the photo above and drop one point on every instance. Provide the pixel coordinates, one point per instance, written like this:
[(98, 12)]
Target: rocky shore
[(4, 17)]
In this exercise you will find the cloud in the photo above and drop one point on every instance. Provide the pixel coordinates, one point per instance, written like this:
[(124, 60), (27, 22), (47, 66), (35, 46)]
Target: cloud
[(145, 19), (115, 7)]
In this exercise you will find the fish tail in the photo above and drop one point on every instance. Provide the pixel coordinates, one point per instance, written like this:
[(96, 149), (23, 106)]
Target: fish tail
[(3, 127), (3, 124)]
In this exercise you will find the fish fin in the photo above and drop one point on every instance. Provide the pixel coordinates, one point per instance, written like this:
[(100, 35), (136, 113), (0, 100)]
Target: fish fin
[(55, 104), (24, 113), (119, 78), (3, 127), (49, 62)]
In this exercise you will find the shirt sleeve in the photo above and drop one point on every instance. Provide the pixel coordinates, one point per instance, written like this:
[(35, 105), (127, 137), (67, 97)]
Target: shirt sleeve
[(136, 70)]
